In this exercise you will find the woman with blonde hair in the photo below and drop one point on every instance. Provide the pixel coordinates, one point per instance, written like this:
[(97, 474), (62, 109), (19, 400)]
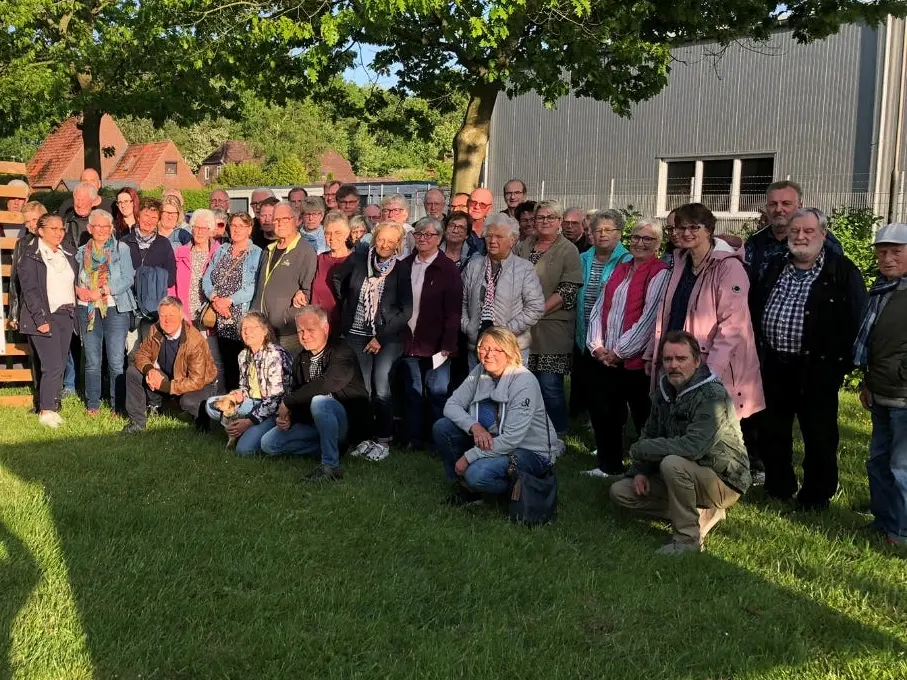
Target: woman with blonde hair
[(172, 220), (337, 238), (377, 302), (497, 412)]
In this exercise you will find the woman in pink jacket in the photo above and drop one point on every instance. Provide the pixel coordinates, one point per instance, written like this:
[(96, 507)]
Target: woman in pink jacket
[(192, 260), (707, 296)]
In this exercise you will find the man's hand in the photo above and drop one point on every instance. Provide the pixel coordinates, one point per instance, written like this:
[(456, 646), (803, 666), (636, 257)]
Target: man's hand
[(43, 328), (237, 427), (648, 368), (865, 397), (461, 465), (373, 346), (154, 378), (283, 417), (481, 437), (299, 300), (641, 485)]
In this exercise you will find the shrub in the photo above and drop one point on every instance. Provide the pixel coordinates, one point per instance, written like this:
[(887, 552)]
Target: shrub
[(854, 228)]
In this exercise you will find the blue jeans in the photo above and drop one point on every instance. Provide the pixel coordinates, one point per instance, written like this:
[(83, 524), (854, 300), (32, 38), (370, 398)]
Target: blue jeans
[(552, 385), (249, 441), (377, 371), (107, 337), (486, 475), (323, 437), (887, 469), (425, 386)]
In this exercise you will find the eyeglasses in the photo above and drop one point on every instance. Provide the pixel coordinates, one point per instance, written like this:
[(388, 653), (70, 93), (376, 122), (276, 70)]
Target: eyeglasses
[(456, 226), (350, 202), (425, 234), (394, 211), (284, 220), (513, 193), (605, 232), (546, 218), (53, 229), (169, 212), (642, 239), (476, 204), (692, 228), (489, 351), (124, 201)]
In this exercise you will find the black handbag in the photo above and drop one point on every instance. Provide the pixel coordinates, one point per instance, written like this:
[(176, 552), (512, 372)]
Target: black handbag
[(533, 499)]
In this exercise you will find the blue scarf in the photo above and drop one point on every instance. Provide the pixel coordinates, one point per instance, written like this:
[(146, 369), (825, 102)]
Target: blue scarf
[(879, 295)]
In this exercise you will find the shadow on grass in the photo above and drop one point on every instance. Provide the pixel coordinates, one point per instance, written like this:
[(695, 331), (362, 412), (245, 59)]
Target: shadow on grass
[(19, 574), (186, 562)]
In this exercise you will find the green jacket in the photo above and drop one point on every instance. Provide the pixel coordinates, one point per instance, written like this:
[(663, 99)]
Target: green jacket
[(699, 424)]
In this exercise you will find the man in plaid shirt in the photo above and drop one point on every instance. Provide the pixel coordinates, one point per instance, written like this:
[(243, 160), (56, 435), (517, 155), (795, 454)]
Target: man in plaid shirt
[(806, 312)]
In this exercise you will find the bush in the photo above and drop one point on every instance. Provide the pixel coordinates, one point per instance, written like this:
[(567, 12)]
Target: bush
[(854, 228)]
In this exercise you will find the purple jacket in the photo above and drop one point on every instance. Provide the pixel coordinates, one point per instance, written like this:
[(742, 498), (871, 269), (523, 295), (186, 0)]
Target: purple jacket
[(439, 310)]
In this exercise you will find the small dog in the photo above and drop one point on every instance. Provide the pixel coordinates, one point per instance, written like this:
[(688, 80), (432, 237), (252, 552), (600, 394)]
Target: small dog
[(227, 406)]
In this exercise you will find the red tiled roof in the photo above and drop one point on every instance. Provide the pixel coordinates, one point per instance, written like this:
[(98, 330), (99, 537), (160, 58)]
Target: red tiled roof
[(50, 162), (335, 166), (138, 161), (231, 151)]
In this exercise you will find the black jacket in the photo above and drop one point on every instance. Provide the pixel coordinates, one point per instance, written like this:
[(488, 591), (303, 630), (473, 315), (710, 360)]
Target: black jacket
[(762, 249), (832, 316), (341, 378), (76, 230), (22, 245), (158, 254), (34, 309), (395, 307)]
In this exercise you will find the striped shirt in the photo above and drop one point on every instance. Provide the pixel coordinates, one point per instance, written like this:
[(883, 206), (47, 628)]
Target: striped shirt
[(592, 288), (632, 342)]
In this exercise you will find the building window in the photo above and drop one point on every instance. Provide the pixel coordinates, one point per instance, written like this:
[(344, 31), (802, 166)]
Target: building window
[(727, 186), (170, 168), (207, 172)]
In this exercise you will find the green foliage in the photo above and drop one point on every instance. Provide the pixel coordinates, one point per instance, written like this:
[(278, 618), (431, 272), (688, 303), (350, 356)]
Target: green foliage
[(193, 199), (195, 141), (242, 175), (854, 228)]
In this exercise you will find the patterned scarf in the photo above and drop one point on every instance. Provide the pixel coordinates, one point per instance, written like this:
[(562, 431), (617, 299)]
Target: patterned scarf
[(491, 282), (879, 295), (144, 242), (95, 273), (373, 286)]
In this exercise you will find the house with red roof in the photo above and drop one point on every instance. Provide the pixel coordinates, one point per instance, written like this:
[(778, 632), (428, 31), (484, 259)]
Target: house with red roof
[(58, 163), (331, 164)]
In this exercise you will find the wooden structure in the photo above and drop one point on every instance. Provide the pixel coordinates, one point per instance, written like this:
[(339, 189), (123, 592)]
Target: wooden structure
[(15, 360)]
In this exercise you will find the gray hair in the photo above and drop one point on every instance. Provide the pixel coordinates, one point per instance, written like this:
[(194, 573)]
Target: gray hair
[(170, 301), (612, 215), (98, 214), (313, 204), (502, 220), (286, 204), (85, 186), (317, 311), (820, 216), (552, 205), (429, 221), (17, 183), (581, 212), (200, 215), (335, 216), (399, 199), (434, 189), (264, 190), (359, 221), (653, 224)]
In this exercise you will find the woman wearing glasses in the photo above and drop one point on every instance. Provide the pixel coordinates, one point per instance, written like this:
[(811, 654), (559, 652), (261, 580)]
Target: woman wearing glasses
[(619, 330), (430, 337), (557, 264), (497, 412), (171, 225), (707, 297), (47, 275), (127, 212)]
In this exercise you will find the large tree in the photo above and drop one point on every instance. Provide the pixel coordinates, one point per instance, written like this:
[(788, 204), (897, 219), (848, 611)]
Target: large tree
[(181, 60), (611, 50)]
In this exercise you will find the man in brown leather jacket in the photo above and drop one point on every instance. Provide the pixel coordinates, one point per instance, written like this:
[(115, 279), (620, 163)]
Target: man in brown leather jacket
[(173, 362)]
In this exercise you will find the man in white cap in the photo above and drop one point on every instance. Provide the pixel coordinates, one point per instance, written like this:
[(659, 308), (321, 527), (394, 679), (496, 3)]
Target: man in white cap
[(881, 348)]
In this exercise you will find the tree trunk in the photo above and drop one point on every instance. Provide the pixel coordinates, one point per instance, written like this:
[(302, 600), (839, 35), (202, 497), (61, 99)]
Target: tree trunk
[(91, 137), (471, 140)]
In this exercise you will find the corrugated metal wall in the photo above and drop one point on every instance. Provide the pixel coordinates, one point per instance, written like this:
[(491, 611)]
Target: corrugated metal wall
[(811, 106)]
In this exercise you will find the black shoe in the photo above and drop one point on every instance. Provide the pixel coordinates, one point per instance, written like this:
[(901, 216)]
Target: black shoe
[(324, 473), (461, 497), (203, 421), (132, 428)]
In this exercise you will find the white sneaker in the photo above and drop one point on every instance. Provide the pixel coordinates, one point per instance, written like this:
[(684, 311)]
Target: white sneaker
[(758, 478), (378, 452), (362, 449), (50, 419), (601, 474)]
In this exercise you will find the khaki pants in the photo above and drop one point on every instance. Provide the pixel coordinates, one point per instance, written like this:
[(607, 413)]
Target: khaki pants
[(676, 494)]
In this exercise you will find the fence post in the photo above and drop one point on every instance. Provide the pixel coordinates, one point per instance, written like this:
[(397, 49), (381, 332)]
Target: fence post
[(542, 189), (611, 195)]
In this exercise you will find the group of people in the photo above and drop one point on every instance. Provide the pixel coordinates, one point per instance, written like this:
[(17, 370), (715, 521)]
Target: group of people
[(316, 325)]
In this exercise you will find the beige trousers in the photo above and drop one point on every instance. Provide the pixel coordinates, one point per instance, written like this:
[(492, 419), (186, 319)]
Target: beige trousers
[(676, 494)]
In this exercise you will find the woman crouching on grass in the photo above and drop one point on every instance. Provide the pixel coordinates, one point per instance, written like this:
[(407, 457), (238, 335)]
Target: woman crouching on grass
[(265, 370), (496, 412)]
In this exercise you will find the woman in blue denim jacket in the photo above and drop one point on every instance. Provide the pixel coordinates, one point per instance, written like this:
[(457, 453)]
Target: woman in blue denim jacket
[(229, 283), (265, 370), (104, 309)]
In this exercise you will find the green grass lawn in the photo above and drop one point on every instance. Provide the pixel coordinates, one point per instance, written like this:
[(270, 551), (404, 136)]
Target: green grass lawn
[(164, 556)]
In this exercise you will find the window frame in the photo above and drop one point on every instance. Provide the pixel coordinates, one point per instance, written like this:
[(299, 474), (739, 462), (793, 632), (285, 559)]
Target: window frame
[(168, 165), (699, 161)]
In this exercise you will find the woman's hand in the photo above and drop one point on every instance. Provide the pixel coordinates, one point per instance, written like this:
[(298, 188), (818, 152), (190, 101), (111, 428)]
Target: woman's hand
[(299, 300), (461, 465), (237, 396), (95, 295), (610, 358), (481, 437), (84, 294), (648, 368), (237, 427), (44, 328), (373, 346), (283, 417), (221, 306)]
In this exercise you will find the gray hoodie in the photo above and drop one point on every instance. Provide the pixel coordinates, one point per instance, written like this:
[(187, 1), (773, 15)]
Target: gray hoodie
[(522, 423)]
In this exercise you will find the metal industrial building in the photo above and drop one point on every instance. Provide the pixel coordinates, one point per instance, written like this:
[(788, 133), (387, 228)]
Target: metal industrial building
[(830, 115)]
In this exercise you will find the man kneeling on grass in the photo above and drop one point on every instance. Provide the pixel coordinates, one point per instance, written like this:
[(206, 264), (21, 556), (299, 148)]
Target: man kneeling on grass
[(327, 404), (689, 464), (173, 362)]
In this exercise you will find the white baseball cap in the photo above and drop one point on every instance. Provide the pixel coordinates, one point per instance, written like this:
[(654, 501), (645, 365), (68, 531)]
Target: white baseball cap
[(891, 233)]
